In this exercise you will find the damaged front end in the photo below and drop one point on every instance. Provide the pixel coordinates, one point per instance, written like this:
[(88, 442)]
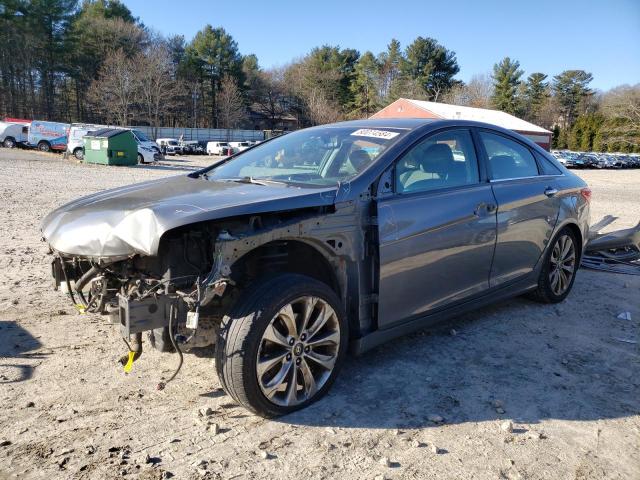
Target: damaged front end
[(162, 294)]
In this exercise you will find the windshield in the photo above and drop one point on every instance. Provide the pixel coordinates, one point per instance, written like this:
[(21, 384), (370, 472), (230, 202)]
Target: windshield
[(319, 156), (140, 136), (172, 142)]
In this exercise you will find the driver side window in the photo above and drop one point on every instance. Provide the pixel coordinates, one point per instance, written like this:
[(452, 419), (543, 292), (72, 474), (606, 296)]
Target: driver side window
[(443, 160)]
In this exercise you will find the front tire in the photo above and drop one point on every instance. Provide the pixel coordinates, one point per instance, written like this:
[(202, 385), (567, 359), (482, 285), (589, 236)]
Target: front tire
[(282, 345), (9, 142), (559, 269), (140, 159), (79, 153)]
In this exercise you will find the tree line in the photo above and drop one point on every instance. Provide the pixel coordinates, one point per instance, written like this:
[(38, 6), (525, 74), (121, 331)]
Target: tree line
[(93, 61)]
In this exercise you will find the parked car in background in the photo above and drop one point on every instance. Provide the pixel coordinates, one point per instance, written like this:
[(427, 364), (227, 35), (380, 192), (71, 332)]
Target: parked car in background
[(169, 146), (284, 257), (219, 148), (75, 142), (13, 134), (47, 136)]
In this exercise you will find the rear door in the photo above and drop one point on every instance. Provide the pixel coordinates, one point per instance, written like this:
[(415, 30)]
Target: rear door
[(437, 229), (528, 205)]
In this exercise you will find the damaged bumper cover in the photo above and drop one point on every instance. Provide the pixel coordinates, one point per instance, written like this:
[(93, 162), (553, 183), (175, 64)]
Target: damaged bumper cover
[(616, 252)]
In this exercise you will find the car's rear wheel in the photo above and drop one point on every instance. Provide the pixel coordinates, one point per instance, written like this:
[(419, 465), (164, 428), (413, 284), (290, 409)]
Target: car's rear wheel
[(282, 345), (44, 146), (79, 153), (559, 268)]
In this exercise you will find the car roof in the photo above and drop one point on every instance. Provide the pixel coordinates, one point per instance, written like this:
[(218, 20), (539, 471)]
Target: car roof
[(415, 123)]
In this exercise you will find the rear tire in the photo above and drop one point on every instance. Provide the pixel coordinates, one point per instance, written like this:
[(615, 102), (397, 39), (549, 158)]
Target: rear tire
[(44, 147), (245, 346), (79, 153), (559, 269), (9, 142), (140, 159)]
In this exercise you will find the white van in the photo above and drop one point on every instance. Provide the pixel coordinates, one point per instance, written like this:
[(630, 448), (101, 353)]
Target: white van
[(75, 142), (171, 145), (217, 148), (13, 134), (148, 150), (240, 146)]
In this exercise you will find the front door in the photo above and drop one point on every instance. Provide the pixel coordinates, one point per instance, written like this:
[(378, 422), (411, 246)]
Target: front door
[(437, 230)]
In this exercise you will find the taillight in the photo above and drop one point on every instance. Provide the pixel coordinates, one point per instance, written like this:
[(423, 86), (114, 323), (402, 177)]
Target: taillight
[(586, 194)]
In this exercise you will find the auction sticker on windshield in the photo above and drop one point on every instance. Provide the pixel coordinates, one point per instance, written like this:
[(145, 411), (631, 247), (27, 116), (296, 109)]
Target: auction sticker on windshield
[(369, 132)]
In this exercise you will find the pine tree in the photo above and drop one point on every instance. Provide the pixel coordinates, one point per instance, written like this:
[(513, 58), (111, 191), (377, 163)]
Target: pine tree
[(431, 66), (571, 89), (365, 87), (506, 81), (536, 94)]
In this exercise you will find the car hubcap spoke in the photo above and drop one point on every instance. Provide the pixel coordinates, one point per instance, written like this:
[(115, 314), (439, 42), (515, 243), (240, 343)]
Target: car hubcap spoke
[(298, 351), (325, 361), (271, 388), (289, 319), (562, 265)]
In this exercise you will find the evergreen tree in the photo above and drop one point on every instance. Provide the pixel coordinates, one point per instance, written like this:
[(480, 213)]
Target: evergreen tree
[(506, 82), (214, 53), (390, 69), (431, 66), (365, 86), (571, 89), (536, 94)]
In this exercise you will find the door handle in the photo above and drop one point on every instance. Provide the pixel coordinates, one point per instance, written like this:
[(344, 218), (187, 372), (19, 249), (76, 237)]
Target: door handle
[(550, 191)]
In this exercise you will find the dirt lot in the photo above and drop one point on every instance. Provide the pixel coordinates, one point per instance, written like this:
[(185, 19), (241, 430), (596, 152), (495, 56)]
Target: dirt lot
[(571, 389)]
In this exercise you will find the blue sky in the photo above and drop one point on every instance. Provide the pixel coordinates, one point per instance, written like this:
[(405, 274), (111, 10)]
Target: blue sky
[(602, 37)]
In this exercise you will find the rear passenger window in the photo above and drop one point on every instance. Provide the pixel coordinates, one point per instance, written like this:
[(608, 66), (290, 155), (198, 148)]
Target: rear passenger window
[(547, 166), (508, 159), (443, 160)]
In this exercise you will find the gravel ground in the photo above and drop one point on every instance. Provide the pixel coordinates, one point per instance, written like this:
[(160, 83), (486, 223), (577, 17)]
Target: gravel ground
[(516, 390)]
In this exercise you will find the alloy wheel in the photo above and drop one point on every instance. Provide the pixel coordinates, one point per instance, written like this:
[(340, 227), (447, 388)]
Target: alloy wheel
[(298, 351), (563, 265)]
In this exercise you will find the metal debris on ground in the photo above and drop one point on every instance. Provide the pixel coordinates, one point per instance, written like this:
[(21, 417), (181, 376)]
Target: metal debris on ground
[(615, 252)]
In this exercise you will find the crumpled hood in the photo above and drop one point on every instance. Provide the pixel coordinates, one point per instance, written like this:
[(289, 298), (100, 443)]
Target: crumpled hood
[(129, 220)]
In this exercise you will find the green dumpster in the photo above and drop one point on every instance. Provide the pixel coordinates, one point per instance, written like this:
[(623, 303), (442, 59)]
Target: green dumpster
[(111, 146)]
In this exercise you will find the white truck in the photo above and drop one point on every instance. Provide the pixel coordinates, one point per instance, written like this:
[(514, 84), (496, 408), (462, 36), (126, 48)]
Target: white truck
[(13, 134), (240, 146), (219, 148), (170, 146)]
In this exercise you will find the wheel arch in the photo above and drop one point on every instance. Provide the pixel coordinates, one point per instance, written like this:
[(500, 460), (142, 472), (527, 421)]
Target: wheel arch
[(299, 255)]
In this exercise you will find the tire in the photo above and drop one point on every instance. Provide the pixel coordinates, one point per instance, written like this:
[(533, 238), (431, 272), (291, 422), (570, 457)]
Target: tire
[(242, 339), (79, 153), (44, 147), (547, 291), (9, 142), (140, 159)]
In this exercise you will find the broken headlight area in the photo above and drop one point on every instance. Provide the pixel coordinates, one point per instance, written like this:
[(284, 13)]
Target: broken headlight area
[(162, 295)]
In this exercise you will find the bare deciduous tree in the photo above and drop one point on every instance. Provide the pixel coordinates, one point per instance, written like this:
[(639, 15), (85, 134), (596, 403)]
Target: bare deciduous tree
[(476, 93), (231, 107), (113, 93), (156, 88)]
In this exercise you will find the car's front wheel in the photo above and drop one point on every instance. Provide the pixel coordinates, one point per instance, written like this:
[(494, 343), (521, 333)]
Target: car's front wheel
[(559, 268), (282, 345)]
